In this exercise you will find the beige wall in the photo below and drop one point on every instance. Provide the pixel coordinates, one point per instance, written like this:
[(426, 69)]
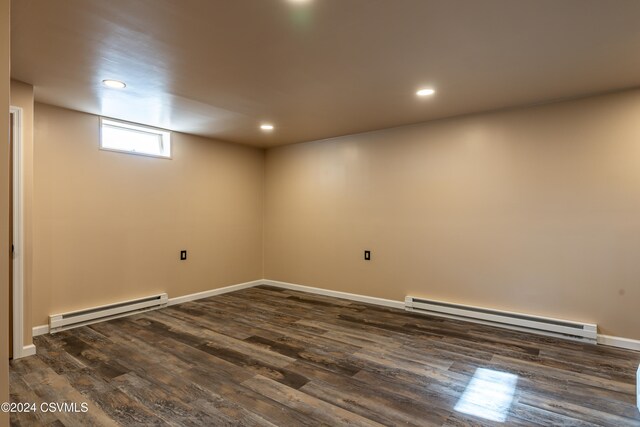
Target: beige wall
[(22, 96), (109, 226), (4, 206), (534, 210)]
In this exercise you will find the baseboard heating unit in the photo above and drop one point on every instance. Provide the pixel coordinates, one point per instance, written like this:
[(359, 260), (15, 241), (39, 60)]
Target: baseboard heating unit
[(74, 319), (587, 332)]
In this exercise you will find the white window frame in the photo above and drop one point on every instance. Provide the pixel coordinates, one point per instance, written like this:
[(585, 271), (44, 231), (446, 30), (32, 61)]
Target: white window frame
[(164, 137)]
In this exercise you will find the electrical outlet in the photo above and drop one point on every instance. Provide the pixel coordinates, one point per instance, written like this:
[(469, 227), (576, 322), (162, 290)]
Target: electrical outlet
[(183, 255), (367, 255)]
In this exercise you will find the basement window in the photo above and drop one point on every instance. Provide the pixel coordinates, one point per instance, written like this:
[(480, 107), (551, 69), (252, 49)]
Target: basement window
[(134, 139)]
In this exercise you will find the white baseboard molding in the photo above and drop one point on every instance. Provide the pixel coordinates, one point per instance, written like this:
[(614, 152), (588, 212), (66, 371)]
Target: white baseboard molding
[(213, 292), (336, 294), (28, 350), (44, 329), (619, 342), (609, 340), (638, 388), (40, 330)]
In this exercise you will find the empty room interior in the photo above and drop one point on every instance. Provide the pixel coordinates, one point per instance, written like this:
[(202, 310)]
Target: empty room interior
[(320, 212)]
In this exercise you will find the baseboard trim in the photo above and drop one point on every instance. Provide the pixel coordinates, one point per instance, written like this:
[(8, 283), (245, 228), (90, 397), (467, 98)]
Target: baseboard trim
[(336, 294), (28, 350), (619, 342), (213, 292), (612, 341), (44, 329), (40, 330), (25, 351)]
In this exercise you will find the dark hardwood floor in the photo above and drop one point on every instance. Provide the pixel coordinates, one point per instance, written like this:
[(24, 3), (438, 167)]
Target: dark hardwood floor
[(267, 356)]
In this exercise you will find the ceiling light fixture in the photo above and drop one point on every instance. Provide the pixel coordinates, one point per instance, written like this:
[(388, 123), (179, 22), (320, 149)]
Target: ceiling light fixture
[(266, 127), (425, 92), (114, 84)]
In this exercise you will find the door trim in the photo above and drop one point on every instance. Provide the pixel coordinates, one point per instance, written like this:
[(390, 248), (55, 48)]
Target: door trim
[(17, 257)]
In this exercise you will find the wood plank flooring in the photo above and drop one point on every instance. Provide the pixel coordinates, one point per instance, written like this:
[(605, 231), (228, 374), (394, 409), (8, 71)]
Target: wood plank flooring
[(267, 356)]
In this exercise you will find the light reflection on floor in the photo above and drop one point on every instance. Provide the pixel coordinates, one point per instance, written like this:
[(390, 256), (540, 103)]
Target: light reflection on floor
[(488, 395)]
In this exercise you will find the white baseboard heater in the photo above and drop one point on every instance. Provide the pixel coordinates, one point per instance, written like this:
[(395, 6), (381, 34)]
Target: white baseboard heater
[(587, 332), (74, 319)]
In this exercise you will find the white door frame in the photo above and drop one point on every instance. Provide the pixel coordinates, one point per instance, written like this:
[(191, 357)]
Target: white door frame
[(17, 258)]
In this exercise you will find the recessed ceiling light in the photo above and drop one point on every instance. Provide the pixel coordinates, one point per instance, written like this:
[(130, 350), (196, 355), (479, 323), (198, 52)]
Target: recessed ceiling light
[(266, 126), (115, 84), (425, 92)]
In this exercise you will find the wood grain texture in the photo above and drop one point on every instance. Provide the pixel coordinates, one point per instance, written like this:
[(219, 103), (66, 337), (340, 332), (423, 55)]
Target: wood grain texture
[(268, 356)]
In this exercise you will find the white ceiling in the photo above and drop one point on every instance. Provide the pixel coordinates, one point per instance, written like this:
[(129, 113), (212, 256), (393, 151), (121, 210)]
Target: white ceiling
[(324, 68)]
